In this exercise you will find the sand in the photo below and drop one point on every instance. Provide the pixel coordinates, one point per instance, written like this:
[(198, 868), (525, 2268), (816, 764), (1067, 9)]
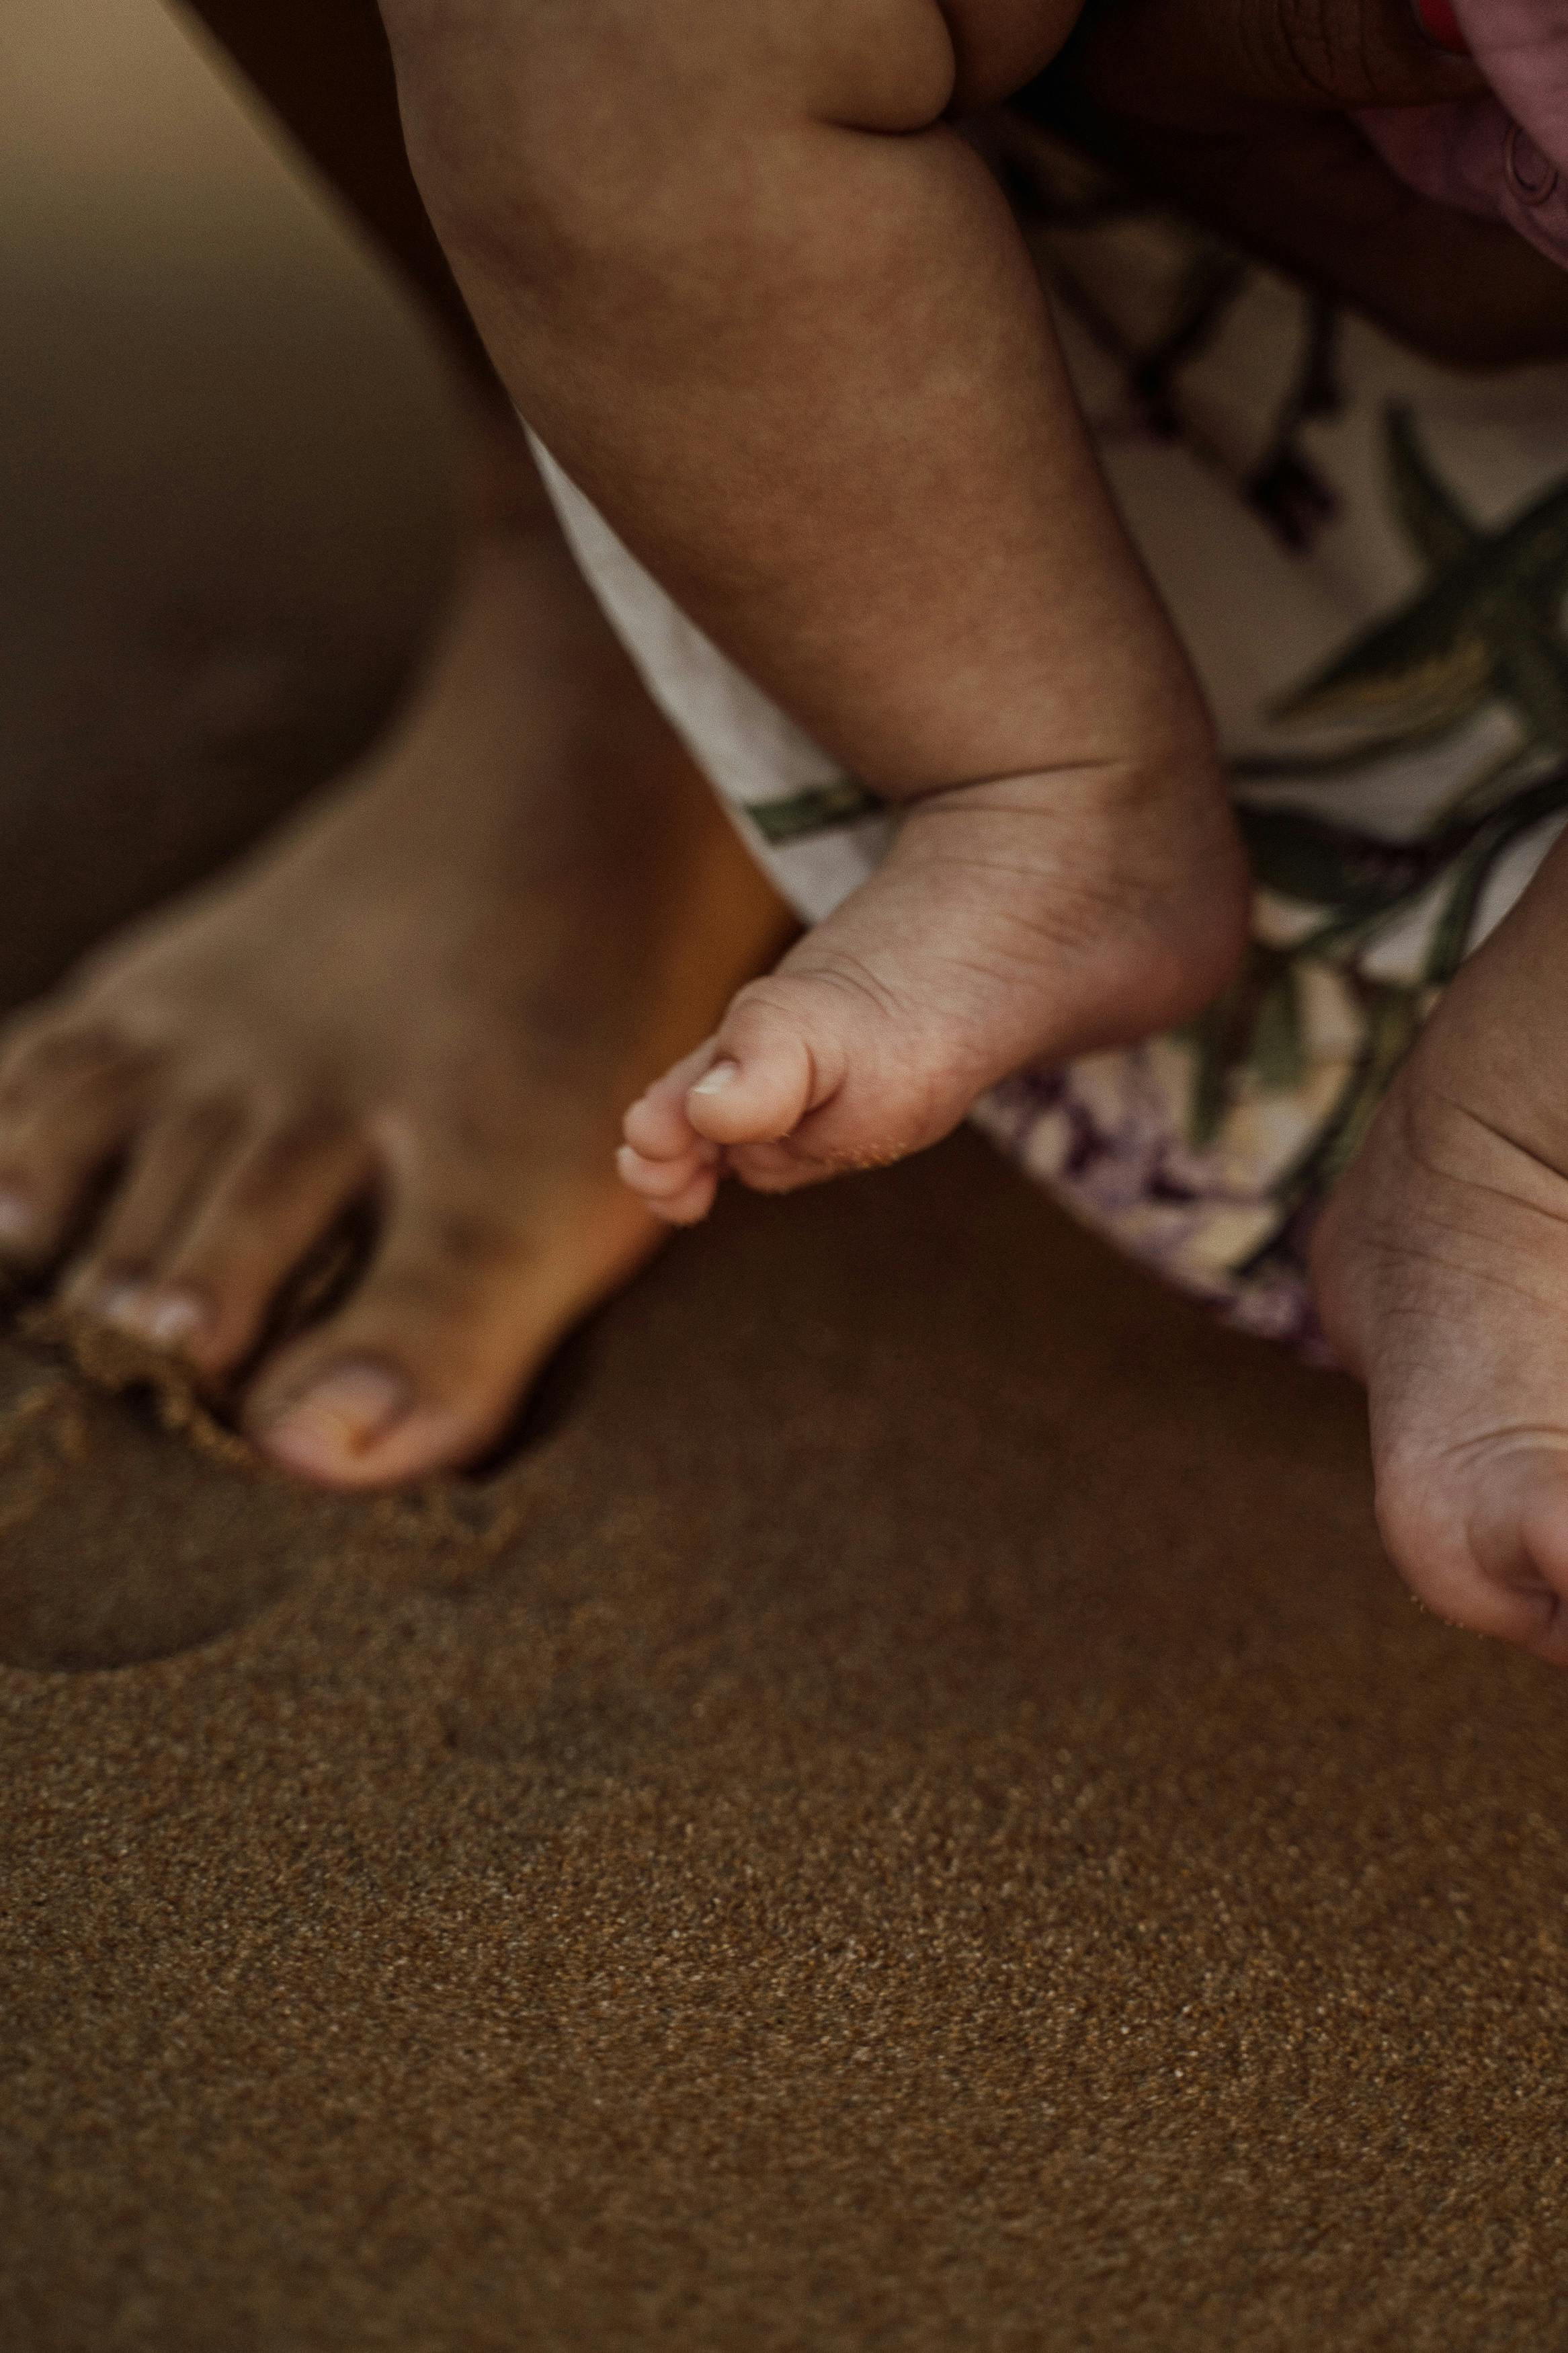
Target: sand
[(908, 1811), (933, 1828)]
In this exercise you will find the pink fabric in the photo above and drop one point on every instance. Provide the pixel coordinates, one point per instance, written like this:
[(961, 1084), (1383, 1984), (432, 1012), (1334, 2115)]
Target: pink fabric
[(1503, 157)]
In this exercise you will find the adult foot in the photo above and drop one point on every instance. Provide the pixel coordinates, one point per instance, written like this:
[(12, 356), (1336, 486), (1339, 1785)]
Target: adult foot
[(1441, 1267), (431, 999), (1039, 917)]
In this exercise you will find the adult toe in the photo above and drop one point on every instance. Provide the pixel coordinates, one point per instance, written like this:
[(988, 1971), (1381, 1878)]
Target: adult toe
[(422, 1366), (217, 1213), (69, 1102)]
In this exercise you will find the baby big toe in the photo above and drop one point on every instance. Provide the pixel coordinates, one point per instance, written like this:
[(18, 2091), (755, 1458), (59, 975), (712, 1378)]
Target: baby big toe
[(774, 1061)]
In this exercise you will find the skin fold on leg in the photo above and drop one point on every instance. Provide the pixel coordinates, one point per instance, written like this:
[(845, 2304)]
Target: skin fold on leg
[(430, 997)]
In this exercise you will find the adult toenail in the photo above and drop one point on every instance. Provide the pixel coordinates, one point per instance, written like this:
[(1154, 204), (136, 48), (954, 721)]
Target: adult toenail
[(18, 1219), (164, 1317), (723, 1075), (345, 1413)]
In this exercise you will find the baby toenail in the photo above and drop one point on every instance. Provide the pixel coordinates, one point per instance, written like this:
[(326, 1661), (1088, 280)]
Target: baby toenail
[(164, 1317), (723, 1075), (347, 1412)]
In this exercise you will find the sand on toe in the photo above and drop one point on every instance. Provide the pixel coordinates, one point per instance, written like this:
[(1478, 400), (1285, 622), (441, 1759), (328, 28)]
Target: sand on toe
[(908, 1811)]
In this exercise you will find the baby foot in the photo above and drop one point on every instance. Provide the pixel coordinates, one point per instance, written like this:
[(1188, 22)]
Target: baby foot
[(427, 1002), (1441, 1268), (1038, 917)]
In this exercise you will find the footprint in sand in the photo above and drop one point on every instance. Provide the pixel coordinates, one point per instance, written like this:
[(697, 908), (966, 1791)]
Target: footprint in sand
[(133, 1527), (119, 1542)]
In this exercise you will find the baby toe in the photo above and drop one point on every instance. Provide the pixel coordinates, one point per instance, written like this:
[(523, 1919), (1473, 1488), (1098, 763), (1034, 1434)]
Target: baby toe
[(767, 1070), (776, 1167), (656, 1126), (680, 1191), (168, 1166)]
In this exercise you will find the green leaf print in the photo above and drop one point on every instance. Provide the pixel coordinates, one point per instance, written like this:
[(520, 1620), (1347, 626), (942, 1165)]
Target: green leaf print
[(822, 809), (1345, 759), (1435, 522), (1451, 937), (1278, 1047), (1320, 864), (1254, 1026), (1533, 674), (1393, 1018), (1482, 629), (1432, 663), (1485, 630)]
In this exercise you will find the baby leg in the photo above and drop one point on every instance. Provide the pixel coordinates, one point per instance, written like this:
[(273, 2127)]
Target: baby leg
[(772, 315)]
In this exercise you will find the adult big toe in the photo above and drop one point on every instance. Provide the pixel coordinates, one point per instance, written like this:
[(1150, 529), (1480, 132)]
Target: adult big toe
[(420, 1369)]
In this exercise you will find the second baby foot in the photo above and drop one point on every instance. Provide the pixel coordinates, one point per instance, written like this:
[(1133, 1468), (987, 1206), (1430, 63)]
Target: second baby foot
[(1038, 917), (1441, 1267)]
